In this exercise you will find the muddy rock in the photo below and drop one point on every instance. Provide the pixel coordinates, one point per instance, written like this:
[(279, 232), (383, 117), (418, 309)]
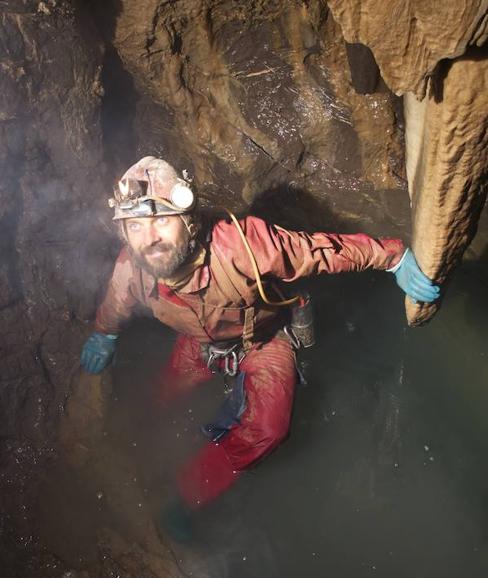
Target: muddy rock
[(130, 560), (49, 149), (409, 38), (259, 93)]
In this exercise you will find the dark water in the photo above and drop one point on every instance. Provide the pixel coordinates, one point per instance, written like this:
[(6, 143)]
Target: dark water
[(384, 473), (385, 470)]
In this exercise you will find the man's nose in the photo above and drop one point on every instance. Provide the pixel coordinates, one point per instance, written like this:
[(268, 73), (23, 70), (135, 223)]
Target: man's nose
[(152, 235)]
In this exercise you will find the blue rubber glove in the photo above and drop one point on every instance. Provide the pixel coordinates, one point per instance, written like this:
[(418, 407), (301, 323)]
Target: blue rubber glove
[(411, 279), (97, 352)]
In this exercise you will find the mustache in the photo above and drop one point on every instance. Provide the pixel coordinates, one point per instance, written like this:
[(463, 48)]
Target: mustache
[(157, 248)]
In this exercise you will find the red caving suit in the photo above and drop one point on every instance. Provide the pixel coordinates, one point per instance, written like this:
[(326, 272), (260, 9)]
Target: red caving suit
[(216, 304)]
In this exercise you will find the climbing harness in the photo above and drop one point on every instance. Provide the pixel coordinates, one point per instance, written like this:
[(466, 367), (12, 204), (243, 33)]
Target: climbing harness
[(230, 411)]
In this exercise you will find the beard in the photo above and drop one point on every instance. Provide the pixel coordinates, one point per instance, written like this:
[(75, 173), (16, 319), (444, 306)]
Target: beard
[(162, 260)]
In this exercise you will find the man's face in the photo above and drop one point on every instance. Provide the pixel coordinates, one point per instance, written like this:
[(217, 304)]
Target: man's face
[(160, 245)]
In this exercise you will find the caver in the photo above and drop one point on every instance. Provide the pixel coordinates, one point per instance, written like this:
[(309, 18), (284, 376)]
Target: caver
[(213, 286)]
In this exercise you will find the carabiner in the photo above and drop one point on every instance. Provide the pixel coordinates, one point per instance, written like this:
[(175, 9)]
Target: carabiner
[(228, 369)]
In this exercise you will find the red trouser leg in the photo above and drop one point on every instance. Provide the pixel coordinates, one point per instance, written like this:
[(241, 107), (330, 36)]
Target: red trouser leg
[(270, 378), (183, 371)]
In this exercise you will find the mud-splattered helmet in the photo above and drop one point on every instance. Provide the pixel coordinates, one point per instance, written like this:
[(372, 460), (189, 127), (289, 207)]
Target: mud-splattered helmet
[(151, 188)]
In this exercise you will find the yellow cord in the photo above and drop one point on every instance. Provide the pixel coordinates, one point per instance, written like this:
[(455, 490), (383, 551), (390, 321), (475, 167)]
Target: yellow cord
[(256, 270)]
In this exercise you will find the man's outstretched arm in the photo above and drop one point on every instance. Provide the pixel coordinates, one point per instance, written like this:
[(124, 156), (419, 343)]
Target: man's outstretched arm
[(290, 255), (116, 308)]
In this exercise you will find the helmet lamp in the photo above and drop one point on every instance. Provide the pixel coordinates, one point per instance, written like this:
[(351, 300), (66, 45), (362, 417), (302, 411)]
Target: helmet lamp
[(181, 196)]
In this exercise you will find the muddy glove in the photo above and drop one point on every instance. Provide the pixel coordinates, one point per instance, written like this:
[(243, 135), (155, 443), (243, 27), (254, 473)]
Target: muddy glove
[(411, 279), (97, 352)]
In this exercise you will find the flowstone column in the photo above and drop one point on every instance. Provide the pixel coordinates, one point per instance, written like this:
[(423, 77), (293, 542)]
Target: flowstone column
[(447, 163)]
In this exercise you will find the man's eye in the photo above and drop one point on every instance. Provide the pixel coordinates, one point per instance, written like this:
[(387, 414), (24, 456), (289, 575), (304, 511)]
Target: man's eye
[(162, 220), (134, 227)]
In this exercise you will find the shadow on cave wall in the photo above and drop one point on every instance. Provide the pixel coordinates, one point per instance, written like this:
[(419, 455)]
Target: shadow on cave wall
[(118, 110), (293, 207), (119, 102), (134, 125)]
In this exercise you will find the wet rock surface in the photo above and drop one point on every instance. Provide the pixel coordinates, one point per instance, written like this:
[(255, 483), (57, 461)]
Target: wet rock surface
[(260, 93), (448, 174), (49, 150), (438, 59), (409, 39)]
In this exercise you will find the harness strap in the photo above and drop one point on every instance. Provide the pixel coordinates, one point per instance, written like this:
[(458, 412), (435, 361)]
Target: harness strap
[(248, 329), (230, 288)]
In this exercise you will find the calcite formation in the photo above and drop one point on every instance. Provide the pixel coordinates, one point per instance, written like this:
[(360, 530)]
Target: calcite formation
[(447, 168), (410, 37), (433, 53)]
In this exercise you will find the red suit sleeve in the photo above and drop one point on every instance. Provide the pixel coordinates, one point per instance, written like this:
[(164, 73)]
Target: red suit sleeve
[(119, 301), (289, 255)]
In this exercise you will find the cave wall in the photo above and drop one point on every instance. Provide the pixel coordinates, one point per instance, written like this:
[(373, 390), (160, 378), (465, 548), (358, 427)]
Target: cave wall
[(256, 94), (54, 253), (410, 37)]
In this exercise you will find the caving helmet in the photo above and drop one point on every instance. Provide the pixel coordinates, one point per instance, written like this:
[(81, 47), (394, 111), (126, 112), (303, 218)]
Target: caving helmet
[(151, 188)]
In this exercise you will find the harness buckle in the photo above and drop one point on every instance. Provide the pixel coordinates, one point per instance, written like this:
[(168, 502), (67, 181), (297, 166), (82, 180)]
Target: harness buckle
[(229, 356)]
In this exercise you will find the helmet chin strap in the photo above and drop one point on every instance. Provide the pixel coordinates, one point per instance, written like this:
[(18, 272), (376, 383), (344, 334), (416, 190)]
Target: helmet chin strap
[(124, 230), (189, 225)]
